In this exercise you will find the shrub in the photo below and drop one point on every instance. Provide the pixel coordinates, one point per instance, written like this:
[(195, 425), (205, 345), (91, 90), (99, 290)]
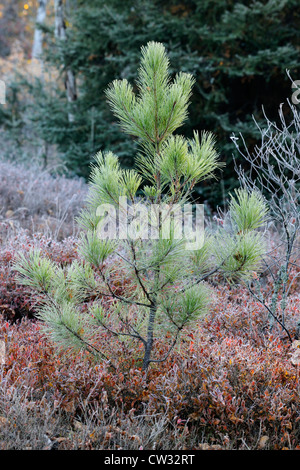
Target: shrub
[(17, 301), (229, 384), (39, 200), (274, 170)]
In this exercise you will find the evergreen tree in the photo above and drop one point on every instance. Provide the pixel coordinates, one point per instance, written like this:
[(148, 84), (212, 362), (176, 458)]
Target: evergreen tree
[(237, 51), (163, 276)]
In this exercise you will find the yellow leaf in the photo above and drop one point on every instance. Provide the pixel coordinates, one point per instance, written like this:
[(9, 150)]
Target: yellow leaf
[(3, 421), (262, 442)]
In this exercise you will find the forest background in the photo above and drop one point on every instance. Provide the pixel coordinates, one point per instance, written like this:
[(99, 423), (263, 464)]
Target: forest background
[(57, 58)]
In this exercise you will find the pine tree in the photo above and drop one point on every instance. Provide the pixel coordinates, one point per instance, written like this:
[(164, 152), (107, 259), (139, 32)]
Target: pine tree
[(164, 276)]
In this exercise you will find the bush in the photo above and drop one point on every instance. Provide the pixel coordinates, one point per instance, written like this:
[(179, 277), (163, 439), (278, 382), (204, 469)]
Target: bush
[(39, 201), (17, 301), (229, 385), (275, 172)]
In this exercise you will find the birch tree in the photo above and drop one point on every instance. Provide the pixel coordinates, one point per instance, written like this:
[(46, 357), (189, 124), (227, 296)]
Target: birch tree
[(61, 35), (37, 47)]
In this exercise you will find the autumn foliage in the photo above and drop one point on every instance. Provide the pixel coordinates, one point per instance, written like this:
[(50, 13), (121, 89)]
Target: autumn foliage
[(231, 384)]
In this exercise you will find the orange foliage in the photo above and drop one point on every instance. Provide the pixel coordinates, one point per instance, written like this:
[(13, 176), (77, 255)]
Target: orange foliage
[(230, 381)]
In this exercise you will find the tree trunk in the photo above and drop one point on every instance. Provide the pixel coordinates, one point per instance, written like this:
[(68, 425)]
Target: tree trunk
[(60, 33), (37, 47), (149, 344)]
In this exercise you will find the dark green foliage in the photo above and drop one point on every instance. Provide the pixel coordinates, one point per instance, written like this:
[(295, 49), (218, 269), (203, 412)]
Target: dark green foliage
[(238, 51), (11, 113)]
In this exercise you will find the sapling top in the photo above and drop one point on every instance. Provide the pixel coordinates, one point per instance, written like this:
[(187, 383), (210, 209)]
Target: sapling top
[(158, 288)]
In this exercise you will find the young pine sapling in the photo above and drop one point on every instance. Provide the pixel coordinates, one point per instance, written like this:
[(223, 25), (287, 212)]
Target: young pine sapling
[(138, 288)]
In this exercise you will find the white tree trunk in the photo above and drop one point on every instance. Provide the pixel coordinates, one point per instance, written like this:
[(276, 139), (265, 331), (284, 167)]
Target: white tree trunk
[(60, 27), (37, 47), (60, 33), (37, 65)]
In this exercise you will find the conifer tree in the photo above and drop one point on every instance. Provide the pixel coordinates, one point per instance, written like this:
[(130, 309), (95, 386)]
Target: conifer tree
[(238, 53), (157, 285)]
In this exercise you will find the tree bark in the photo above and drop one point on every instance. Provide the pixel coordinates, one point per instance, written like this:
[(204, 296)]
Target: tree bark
[(60, 34), (37, 47), (149, 343)]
